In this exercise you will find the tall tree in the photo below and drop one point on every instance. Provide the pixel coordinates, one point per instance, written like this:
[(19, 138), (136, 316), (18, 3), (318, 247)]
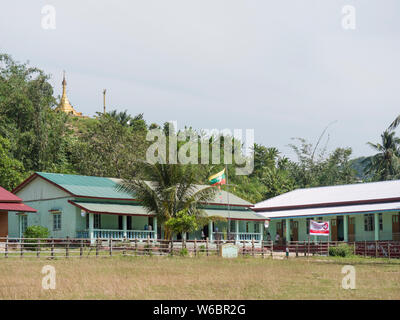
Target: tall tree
[(166, 189), (385, 165)]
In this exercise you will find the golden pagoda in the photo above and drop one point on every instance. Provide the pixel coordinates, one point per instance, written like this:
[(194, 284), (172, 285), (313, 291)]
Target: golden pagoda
[(64, 105)]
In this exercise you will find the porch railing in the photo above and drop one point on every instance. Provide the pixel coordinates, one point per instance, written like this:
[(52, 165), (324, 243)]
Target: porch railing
[(117, 234), (240, 236)]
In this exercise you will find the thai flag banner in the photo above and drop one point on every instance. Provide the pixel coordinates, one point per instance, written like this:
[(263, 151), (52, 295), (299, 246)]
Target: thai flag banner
[(319, 228)]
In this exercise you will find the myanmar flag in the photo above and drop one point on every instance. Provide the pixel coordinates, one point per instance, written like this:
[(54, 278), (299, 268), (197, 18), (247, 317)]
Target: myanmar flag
[(218, 178)]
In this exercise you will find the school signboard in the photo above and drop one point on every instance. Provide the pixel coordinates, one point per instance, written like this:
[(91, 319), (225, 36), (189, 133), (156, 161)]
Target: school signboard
[(229, 251)]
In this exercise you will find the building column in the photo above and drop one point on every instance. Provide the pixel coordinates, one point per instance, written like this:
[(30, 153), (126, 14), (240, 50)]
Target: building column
[(376, 226), (155, 227), (345, 228), (91, 224), (236, 230), (210, 230), (261, 231), (124, 225), (287, 230)]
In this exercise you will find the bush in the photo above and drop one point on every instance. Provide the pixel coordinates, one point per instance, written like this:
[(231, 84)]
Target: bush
[(36, 232), (342, 250), (184, 252), (33, 232)]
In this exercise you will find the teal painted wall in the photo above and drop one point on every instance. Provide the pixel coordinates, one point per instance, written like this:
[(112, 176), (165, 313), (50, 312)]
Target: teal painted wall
[(360, 233)]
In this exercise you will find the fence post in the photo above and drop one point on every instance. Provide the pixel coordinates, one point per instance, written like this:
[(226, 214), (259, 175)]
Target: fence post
[(297, 249), (305, 248), (244, 247), (354, 249), (124, 247), (207, 246), (195, 247), (328, 247), (365, 248), (22, 247), (376, 249), (38, 249), (272, 248), (97, 248), (308, 251), (6, 248), (148, 245), (81, 249), (262, 249), (110, 246), (52, 248), (136, 246), (67, 248), (389, 249), (172, 247), (252, 247)]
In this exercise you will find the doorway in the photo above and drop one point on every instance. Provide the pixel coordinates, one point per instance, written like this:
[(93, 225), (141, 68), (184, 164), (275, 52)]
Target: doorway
[(334, 233), (395, 227), (294, 228), (352, 229), (3, 223)]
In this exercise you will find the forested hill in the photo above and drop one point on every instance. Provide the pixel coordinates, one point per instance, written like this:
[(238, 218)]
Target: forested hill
[(34, 137)]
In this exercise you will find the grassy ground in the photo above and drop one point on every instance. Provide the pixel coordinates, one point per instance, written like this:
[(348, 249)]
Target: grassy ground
[(199, 278)]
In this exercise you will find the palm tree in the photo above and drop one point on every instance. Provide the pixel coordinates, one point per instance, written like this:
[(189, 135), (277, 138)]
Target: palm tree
[(385, 165), (166, 189)]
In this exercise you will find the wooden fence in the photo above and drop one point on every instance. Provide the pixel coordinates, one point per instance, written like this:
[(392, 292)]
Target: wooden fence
[(80, 248)]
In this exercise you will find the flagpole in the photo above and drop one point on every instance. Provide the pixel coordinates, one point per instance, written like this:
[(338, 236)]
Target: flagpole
[(229, 207)]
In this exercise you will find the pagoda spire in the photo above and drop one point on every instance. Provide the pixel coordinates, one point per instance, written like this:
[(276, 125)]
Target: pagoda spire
[(65, 105)]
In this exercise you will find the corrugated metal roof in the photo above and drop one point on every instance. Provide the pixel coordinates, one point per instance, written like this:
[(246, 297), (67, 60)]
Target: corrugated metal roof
[(6, 196), (15, 206), (100, 187), (234, 214), (337, 210), (86, 186), (335, 194), (111, 208)]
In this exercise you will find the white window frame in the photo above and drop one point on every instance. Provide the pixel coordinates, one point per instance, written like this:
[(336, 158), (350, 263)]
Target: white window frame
[(57, 221)]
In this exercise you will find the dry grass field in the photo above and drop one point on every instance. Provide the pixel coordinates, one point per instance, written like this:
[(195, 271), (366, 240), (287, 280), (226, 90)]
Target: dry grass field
[(198, 278)]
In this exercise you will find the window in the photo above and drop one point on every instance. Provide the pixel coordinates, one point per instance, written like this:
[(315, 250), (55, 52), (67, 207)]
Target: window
[(97, 221), (369, 222), (24, 223), (247, 227), (256, 228), (308, 225), (56, 221)]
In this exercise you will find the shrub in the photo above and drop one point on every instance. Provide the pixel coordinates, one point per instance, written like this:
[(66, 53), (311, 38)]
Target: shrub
[(184, 252), (33, 232), (36, 232), (342, 250)]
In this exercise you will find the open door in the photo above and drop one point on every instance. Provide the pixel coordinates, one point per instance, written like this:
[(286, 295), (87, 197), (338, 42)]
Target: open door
[(352, 229), (294, 227), (3, 224), (279, 230), (395, 227), (334, 230)]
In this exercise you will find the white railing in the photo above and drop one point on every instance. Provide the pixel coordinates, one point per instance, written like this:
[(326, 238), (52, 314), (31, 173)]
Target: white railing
[(117, 234), (239, 236)]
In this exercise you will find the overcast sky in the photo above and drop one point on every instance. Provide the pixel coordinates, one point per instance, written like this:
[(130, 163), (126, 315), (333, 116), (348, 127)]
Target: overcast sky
[(283, 68)]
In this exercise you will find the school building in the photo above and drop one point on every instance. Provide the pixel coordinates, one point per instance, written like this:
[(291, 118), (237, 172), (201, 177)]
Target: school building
[(356, 212), (78, 206)]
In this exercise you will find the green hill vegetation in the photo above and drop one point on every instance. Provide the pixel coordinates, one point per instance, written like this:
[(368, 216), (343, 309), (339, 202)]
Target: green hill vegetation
[(34, 137)]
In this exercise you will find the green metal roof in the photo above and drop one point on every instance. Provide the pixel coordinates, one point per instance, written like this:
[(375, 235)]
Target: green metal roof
[(100, 187), (87, 186), (111, 208), (234, 214)]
